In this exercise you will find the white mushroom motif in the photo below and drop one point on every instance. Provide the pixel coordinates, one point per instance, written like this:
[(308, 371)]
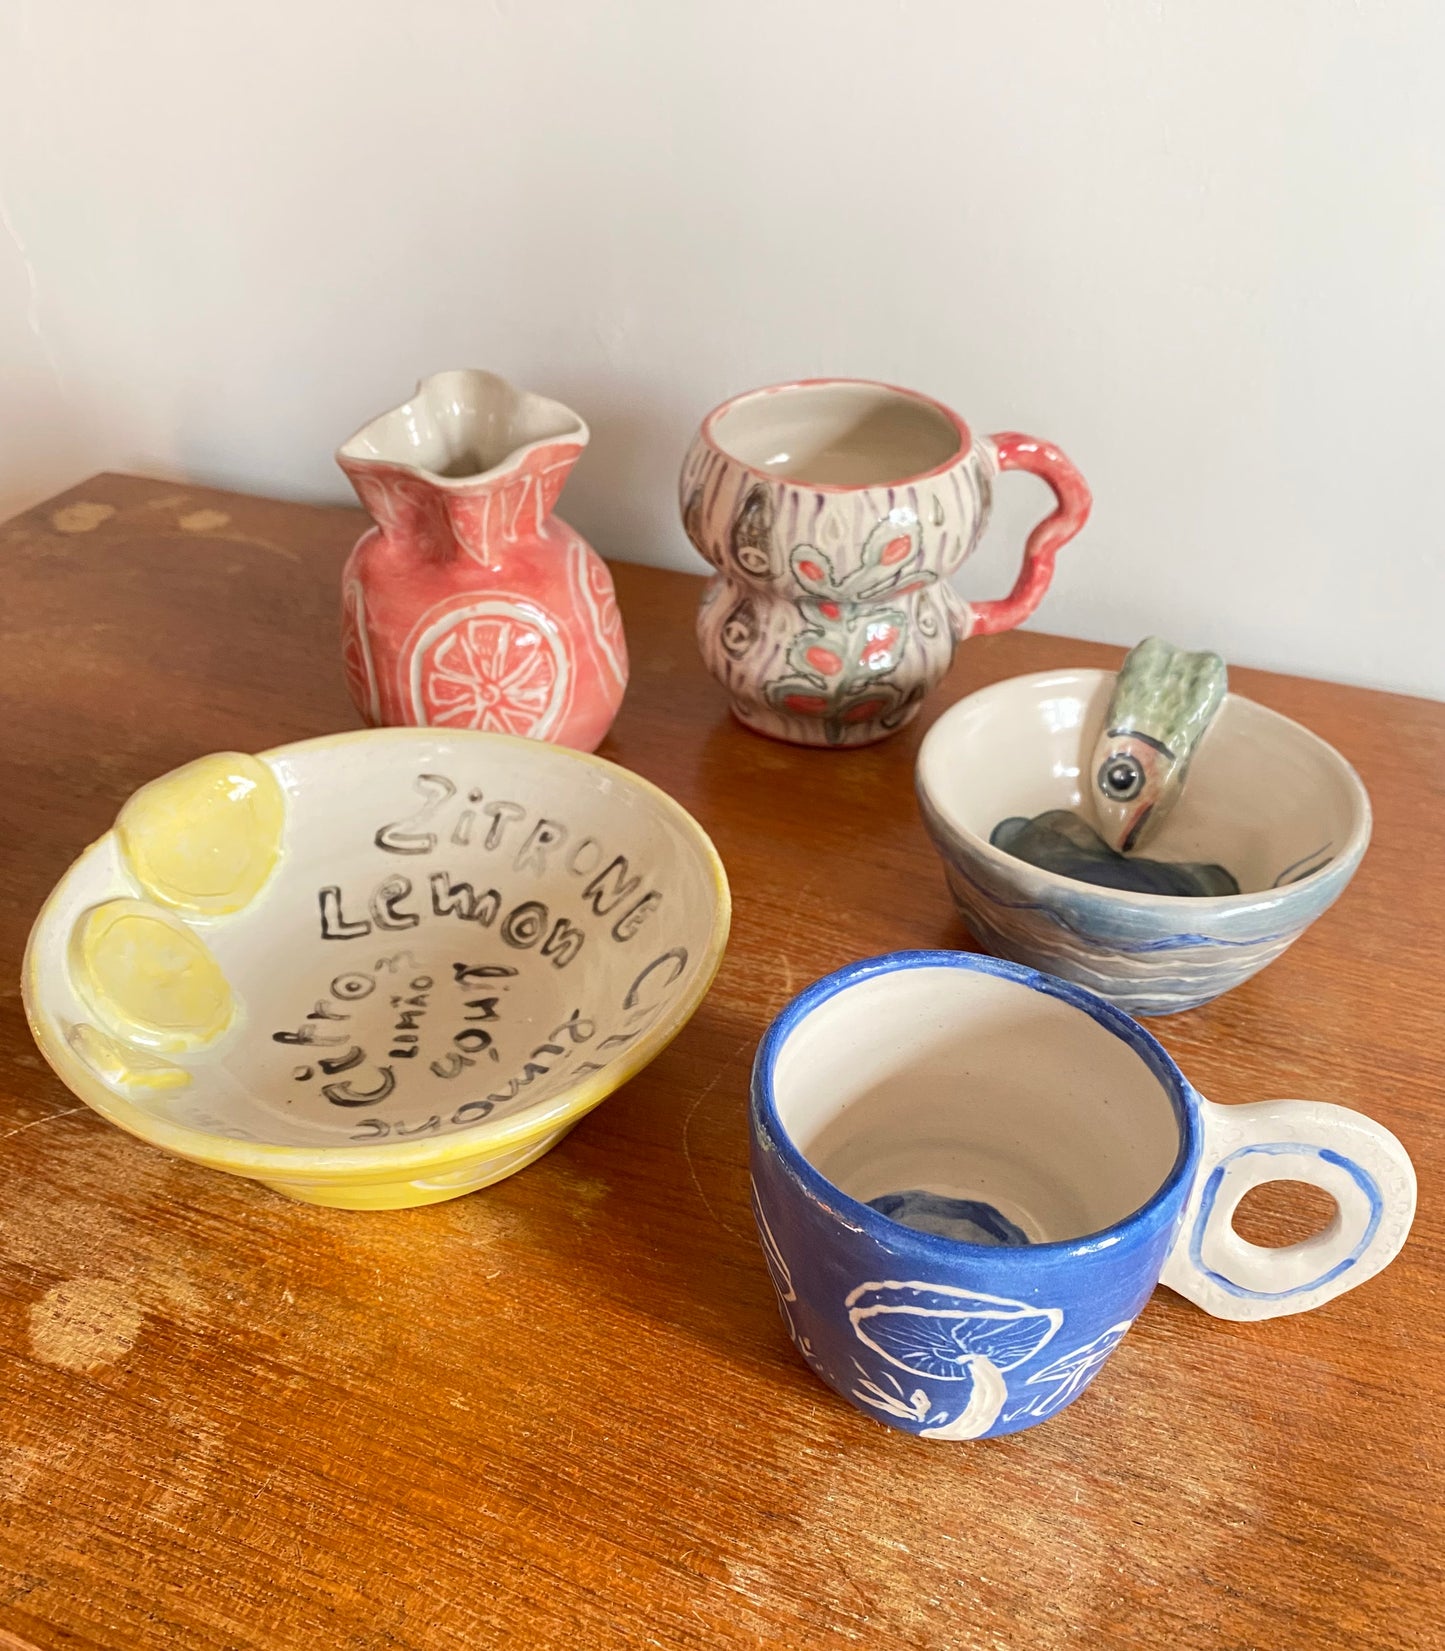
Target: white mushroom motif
[(952, 1335), (1074, 1371), (781, 1273), (782, 1278)]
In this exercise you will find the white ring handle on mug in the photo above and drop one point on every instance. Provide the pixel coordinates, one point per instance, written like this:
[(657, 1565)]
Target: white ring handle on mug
[(1357, 1161)]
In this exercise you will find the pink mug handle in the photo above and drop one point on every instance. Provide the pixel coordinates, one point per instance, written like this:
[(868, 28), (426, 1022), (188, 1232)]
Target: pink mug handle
[(1043, 459)]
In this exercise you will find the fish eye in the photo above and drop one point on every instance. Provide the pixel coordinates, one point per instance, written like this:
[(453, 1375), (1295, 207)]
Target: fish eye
[(1121, 779)]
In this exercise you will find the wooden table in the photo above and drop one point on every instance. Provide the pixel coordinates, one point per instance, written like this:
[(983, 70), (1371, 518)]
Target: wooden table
[(562, 1411)]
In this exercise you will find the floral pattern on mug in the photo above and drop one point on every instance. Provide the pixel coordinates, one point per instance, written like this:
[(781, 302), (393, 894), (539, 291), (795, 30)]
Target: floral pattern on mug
[(841, 661), (881, 492)]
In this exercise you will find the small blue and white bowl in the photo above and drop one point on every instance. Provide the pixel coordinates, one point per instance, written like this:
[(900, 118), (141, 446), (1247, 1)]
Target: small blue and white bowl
[(1270, 801)]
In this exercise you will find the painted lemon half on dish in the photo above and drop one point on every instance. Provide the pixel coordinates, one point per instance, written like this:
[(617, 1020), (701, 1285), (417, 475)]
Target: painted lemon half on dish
[(205, 839), (151, 980), (336, 968)]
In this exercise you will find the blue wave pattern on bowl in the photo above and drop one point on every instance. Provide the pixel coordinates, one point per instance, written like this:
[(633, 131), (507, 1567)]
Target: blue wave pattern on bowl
[(1267, 798), (1151, 958)]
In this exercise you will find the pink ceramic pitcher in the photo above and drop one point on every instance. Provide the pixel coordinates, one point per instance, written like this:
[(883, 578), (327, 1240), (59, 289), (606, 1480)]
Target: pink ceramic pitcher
[(469, 604), (835, 511)]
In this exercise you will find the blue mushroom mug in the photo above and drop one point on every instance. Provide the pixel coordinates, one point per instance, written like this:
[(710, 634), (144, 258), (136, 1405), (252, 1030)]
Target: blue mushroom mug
[(968, 1178)]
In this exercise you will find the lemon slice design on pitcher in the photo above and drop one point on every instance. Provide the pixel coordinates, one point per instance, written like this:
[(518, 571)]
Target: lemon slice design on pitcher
[(204, 839), (148, 977)]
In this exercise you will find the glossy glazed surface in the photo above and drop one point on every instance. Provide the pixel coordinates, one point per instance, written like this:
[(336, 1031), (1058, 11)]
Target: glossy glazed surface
[(572, 1399), (1086, 1162), (835, 511), (1282, 811), (1059, 840), (471, 605), (837, 435), (463, 942), (1164, 703)]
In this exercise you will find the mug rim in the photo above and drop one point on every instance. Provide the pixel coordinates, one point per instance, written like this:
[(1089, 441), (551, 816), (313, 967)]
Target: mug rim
[(710, 440), (936, 1246)]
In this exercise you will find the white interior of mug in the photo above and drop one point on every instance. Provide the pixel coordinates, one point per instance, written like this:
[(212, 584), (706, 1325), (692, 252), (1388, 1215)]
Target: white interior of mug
[(970, 1105), (841, 433), (1264, 797)]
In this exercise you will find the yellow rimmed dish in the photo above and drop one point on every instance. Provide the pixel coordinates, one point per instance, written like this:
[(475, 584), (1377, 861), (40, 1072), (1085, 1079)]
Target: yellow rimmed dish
[(376, 969)]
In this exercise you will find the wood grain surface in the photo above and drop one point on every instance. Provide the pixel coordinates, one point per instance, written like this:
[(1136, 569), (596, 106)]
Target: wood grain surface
[(563, 1411)]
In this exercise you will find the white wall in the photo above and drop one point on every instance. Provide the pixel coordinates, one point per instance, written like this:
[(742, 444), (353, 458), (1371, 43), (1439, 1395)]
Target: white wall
[(1199, 243)]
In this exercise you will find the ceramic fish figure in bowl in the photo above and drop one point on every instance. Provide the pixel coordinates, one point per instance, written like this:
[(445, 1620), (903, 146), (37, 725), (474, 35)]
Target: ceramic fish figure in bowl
[(1163, 704), (1039, 791)]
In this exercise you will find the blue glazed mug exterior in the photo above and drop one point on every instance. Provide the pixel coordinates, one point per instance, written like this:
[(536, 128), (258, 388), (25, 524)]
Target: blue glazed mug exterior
[(951, 1338)]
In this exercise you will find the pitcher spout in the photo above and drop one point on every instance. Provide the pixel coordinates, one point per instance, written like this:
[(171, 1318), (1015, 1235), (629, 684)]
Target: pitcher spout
[(467, 466), (470, 604)]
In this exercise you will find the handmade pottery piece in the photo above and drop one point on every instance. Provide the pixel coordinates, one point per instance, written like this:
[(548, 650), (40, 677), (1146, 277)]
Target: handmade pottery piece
[(470, 605), (1081, 1169), (1061, 841), (1163, 703), (376, 969), (1277, 808), (835, 511)]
